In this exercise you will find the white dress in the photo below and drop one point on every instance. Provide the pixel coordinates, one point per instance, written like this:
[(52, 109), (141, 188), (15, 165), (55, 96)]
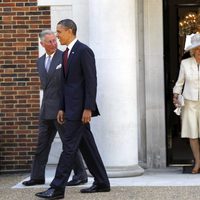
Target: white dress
[(188, 84)]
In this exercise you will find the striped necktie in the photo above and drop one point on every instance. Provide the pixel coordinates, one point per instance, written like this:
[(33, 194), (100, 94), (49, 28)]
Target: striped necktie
[(48, 62)]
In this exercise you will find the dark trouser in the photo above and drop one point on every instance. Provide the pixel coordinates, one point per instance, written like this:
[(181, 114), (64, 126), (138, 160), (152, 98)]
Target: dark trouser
[(79, 168), (77, 136), (47, 132)]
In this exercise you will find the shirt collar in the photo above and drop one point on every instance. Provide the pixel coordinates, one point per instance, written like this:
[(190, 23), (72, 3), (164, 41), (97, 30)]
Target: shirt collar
[(72, 44), (50, 55)]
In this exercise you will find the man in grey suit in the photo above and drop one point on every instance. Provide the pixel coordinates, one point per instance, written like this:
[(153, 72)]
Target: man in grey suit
[(50, 71)]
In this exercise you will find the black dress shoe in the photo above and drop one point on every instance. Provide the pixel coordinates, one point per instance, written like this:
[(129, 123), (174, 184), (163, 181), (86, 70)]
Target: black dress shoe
[(96, 188), (75, 182), (51, 194), (33, 182)]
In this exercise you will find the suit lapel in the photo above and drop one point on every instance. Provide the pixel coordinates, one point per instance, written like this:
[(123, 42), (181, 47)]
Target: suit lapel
[(52, 66), (194, 64), (43, 70), (71, 56)]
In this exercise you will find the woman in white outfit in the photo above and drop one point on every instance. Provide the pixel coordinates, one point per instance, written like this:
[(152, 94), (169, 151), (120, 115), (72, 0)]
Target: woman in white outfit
[(188, 84)]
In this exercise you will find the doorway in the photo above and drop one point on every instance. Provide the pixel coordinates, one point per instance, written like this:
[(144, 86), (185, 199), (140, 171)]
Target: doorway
[(178, 23)]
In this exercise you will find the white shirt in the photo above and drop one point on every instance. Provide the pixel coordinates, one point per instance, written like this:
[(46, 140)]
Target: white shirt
[(70, 46), (189, 78), (47, 56)]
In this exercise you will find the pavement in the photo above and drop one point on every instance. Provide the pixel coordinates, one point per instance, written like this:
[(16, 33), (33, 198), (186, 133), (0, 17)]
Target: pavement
[(154, 184)]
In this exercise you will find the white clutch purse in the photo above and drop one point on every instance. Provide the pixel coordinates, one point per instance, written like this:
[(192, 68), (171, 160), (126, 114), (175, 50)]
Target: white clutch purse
[(180, 105)]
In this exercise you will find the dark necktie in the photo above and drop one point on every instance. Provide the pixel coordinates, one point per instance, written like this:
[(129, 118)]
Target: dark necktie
[(65, 58)]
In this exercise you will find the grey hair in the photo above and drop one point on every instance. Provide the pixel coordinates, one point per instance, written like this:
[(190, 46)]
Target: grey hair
[(44, 33), (68, 24)]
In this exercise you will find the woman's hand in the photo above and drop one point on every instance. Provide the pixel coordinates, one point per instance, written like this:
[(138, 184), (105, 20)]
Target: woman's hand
[(175, 100)]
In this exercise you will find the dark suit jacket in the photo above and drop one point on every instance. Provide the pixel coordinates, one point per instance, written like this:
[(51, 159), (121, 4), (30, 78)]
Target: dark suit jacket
[(51, 85), (80, 83)]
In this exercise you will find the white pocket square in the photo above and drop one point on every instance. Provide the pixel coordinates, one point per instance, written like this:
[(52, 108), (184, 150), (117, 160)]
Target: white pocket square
[(59, 66)]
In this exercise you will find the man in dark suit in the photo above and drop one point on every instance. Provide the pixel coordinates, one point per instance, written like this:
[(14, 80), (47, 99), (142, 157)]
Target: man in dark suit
[(78, 105), (50, 71)]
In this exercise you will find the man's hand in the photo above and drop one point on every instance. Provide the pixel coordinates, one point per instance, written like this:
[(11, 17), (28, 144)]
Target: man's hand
[(60, 117), (87, 114)]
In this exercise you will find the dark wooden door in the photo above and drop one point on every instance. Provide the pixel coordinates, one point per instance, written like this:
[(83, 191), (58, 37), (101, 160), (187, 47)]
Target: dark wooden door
[(178, 149)]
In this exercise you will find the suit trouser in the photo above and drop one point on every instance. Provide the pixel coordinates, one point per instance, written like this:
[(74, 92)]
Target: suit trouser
[(47, 132), (79, 136), (79, 168)]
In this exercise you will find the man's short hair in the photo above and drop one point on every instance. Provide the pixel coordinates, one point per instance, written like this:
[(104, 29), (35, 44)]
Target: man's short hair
[(68, 24)]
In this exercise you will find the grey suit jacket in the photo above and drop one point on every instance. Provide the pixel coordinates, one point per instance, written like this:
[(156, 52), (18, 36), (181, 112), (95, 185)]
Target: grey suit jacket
[(51, 85)]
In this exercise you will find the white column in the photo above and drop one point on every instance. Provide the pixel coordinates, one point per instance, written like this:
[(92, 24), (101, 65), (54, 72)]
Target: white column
[(112, 36), (154, 84)]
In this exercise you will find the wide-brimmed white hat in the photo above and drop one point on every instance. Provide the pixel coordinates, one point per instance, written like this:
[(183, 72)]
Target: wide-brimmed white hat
[(195, 42)]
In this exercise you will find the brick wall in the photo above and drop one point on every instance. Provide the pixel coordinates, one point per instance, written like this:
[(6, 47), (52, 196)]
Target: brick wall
[(20, 23)]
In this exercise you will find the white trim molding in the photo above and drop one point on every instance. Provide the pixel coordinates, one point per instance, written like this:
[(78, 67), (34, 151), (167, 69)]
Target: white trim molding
[(54, 2)]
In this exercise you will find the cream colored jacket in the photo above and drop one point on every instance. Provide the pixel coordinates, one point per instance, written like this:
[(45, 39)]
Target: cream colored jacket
[(189, 79)]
